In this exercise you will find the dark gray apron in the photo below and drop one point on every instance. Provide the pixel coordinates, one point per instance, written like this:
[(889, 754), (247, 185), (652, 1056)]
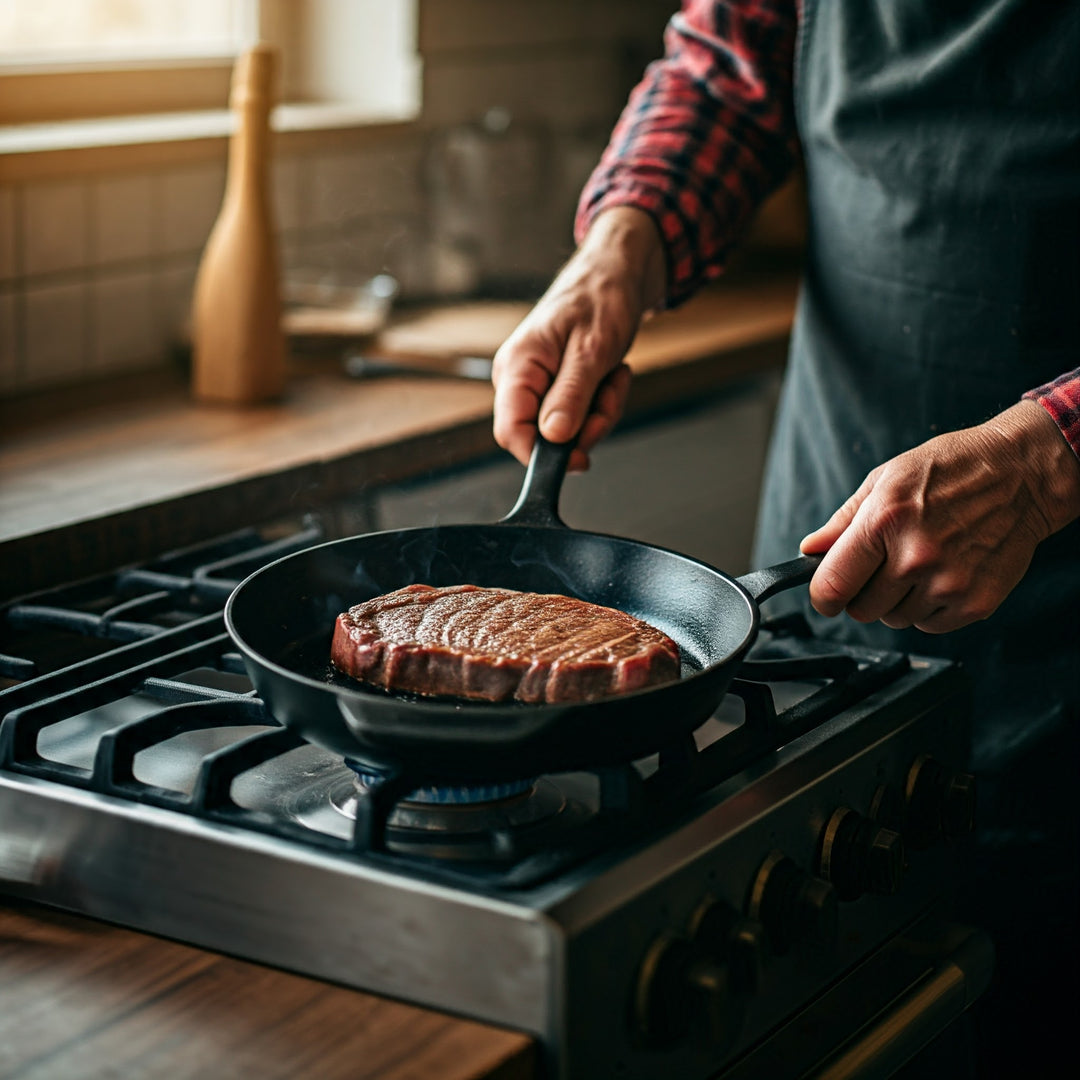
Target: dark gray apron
[(942, 149)]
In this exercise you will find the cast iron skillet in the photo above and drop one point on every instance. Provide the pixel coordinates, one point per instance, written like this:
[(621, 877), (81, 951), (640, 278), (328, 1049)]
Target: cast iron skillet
[(282, 616)]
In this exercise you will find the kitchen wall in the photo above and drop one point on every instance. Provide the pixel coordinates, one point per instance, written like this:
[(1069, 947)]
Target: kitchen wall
[(96, 269)]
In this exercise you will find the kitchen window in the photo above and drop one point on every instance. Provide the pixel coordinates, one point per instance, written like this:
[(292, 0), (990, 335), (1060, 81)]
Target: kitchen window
[(105, 72), (114, 122), (66, 59)]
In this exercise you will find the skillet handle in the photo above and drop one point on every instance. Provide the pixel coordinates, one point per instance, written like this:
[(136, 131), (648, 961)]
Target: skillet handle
[(761, 584), (538, 503)]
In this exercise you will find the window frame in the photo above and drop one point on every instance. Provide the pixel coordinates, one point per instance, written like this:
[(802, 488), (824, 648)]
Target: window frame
[(55, 89), (53, 94), (56, 94)]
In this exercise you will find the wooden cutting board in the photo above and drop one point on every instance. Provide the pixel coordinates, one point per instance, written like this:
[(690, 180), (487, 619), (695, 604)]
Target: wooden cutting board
[(719, 318), (469, 329)]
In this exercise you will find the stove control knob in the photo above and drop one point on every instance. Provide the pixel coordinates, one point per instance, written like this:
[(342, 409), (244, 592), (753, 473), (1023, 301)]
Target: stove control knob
[(794, 906), (659, 995), (680, 992), (715, 1009), (721, 933), (958, 806), (940, 803), (859, 856), (887, 807)]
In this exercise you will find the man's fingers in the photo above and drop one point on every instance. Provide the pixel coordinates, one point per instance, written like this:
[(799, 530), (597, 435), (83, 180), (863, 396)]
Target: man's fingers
[(942, 620), (524, 387), (520, 384), (913, 610), (852, 556), (823, 538), (883, 595), (579, 462), (607, 407), (845, 570), (589, 358), (820, 540), (520, 391), (515, 426)]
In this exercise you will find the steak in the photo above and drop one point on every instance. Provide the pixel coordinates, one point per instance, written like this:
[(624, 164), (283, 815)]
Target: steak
[(499, 645)]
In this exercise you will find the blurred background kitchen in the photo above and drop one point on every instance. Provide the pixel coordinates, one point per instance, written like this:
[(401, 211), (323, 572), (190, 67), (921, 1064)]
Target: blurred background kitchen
[(440, 143)]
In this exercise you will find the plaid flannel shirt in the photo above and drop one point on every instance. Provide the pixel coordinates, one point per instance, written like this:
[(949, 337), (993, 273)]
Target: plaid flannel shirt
[(708, 133)]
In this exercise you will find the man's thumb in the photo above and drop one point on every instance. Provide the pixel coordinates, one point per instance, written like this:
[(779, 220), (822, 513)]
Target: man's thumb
[(820, 540)]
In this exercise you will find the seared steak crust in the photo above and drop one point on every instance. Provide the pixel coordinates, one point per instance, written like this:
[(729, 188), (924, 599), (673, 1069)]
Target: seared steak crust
[(499, 645)]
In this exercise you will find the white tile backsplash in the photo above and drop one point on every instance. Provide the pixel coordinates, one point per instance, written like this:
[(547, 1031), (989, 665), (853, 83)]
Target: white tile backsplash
[(365, 183), (55, 227), (55, 332), (571, 88), (287, 187), (122, 209), (350, 255), (190, 201), (175, 285), (8, 252), (126, 331), (335, 181)]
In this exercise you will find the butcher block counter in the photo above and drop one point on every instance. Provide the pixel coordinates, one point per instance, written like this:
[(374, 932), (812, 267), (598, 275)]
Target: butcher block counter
[(111, 474), (82, 999), (93, 479)]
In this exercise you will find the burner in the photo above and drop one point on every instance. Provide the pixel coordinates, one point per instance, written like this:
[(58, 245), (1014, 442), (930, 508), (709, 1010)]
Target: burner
[(471, 818), (445, 795), (502, 822)]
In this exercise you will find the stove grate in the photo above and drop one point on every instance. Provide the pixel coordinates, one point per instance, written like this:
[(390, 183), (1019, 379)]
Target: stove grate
[(152, 625), (630, 804), (51, 628)]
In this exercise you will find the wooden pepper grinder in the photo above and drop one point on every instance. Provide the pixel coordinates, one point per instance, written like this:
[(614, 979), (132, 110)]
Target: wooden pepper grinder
[(238, 344)]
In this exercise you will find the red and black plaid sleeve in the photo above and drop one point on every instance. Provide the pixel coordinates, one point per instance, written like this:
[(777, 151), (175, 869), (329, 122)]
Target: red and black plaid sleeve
[(706, 134), (1061, 399)]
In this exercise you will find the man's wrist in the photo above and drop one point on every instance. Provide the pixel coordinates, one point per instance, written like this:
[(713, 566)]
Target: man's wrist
[(633, 238), (1045, 456)]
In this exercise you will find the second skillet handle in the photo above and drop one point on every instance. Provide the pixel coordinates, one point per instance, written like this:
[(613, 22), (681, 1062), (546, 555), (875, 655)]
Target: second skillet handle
[(538, 503), (761, 584)]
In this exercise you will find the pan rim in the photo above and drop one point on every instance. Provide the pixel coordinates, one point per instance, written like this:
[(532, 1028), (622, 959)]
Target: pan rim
[(436, 708)]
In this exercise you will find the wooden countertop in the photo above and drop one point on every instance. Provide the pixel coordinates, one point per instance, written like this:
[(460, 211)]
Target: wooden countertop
[(79, 998), (99, 477)]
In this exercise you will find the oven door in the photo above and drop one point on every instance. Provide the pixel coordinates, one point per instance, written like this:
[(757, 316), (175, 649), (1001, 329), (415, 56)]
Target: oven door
[(884, 1013)]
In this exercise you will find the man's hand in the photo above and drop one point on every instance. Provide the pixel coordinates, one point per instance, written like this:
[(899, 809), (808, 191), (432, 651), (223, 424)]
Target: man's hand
[(938, 537), (563, 364)]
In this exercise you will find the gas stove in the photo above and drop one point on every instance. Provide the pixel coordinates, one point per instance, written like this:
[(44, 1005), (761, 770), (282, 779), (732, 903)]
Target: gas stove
[(765, 898)]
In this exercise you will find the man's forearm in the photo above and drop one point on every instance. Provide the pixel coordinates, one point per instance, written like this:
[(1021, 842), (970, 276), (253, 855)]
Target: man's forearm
[(631, 239), (1044, 456), (1060, 399), (705, 136)]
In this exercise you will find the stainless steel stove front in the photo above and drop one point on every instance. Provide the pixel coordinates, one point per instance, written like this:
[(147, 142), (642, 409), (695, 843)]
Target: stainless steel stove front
[(581, 960)]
